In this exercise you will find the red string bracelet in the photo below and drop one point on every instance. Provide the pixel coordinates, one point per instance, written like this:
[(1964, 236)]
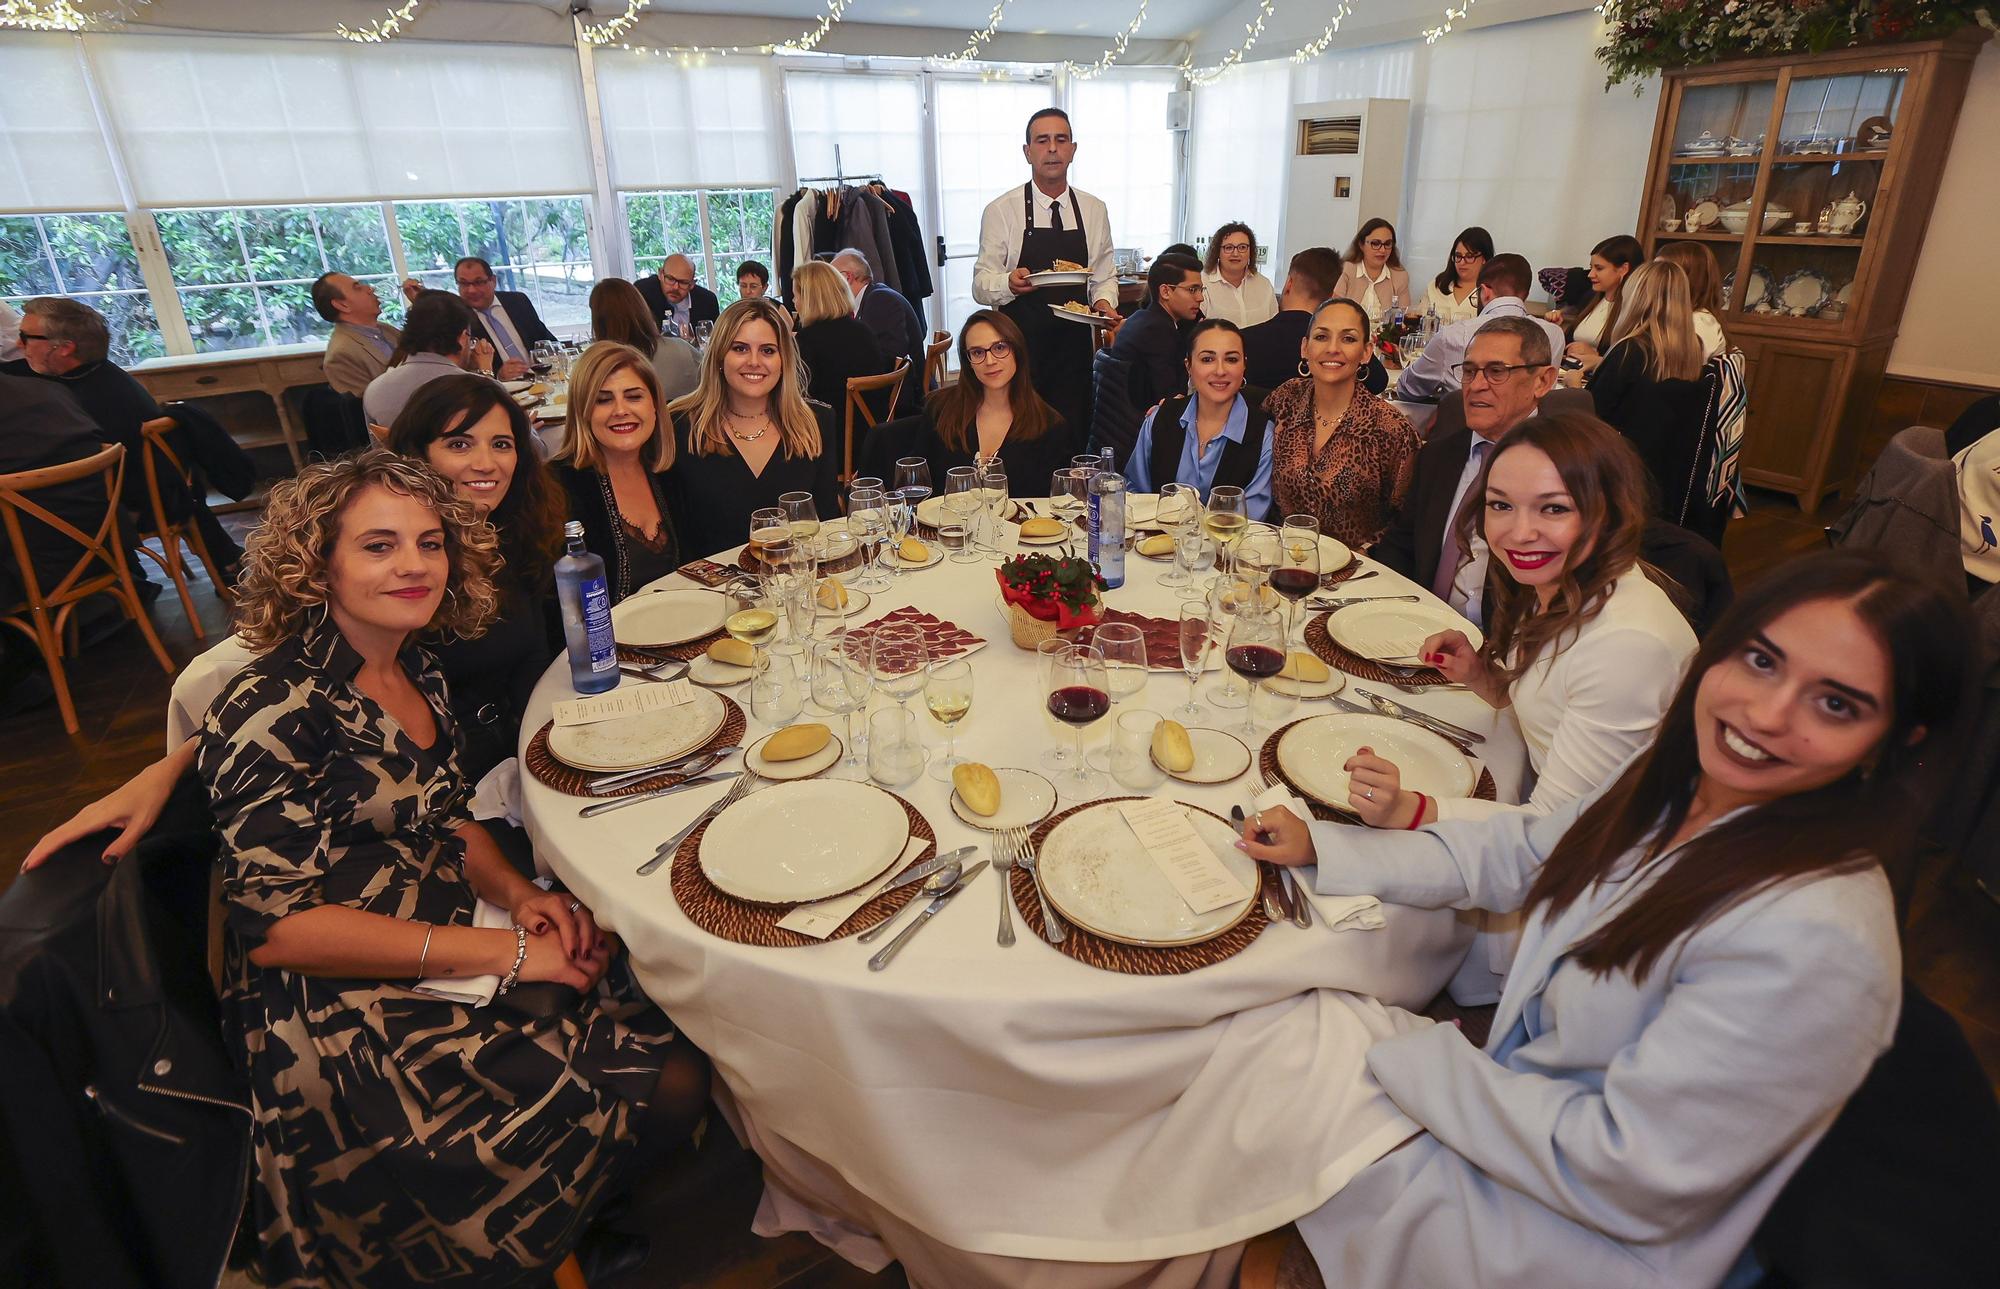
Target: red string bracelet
[(1417, 820)]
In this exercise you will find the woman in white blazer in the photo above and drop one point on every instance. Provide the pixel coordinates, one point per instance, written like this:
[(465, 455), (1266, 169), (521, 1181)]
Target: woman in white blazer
[(1708, 970)]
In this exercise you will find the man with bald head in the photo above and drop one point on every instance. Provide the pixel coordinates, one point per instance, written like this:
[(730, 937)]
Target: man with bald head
[(674, 296)]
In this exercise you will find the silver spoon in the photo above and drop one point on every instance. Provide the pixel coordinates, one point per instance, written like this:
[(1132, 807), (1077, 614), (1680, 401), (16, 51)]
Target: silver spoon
[(934, 885)]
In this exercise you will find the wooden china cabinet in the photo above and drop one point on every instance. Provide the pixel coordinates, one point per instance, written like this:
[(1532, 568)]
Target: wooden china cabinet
[(1811, 178)]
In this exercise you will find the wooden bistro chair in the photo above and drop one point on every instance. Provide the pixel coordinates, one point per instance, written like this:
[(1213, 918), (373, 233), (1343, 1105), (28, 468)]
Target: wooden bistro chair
[(160, 455), (934, 354), (858, 388), (46, 616)]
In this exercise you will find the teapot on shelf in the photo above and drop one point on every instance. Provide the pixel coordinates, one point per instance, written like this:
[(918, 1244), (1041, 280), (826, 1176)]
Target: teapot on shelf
[(1846, 214)]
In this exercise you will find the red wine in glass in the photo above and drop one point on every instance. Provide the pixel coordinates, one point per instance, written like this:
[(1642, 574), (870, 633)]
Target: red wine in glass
[(1081, 704), (1255, 661), (1294, 583)]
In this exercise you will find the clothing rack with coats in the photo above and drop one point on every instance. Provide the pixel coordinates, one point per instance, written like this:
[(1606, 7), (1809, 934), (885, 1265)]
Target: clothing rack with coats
[(861, 211)]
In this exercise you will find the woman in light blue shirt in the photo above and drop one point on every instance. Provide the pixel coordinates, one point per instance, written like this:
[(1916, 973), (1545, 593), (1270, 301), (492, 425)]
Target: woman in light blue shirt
[(1212, 436), (1708, 969)]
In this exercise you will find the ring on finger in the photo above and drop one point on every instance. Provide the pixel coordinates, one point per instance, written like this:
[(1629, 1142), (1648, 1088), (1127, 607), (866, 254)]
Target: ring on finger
[(1369, 793), (574, 905)]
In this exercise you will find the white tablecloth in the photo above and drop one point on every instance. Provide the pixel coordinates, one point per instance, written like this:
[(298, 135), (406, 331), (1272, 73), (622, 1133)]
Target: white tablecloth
[(1013, 1102)]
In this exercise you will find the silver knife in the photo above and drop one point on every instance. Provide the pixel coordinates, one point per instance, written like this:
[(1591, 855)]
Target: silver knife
[(1275, 898), (929, 866), (691, 763), (1390, 707), (889, 950), (619, 803)]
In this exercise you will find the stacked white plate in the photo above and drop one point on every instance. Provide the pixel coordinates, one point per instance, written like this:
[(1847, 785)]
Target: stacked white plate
[(632, 741), (1313, 755), (804, 841), (1098, 875)]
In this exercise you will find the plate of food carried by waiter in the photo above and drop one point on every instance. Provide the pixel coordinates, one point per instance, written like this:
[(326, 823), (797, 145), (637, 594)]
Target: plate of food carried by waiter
[(1045, 260)]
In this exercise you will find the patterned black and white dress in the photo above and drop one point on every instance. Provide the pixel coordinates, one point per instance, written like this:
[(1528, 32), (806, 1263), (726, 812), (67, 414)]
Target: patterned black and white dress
[(399, 1139)]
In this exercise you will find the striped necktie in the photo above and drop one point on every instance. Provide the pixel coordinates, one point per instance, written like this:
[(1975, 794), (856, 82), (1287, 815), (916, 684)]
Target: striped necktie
[(497, 328)]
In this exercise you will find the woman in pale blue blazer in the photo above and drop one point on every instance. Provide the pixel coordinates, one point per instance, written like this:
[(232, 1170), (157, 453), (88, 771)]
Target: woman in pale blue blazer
[(1709, 964)]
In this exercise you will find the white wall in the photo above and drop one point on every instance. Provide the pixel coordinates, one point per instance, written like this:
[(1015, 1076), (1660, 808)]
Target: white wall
[(1936, 343)]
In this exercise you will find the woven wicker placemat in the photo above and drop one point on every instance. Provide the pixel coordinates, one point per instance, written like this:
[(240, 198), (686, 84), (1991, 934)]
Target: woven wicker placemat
[(747, 562), (552, 773), (1267, 762), (1355, 665), (1133, 959), (1327, 581), (729, 918), (686, 652)]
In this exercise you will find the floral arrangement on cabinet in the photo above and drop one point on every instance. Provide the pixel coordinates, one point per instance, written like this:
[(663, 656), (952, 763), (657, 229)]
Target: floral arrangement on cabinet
[(1647, 36)]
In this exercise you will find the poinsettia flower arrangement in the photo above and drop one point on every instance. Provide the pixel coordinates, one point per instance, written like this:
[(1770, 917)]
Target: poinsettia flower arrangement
[(1064, 589), (1646, 36)]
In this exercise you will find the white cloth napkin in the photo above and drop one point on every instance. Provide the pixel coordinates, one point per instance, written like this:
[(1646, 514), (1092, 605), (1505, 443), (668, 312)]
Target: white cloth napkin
[(498, 795), (473, 991), (1336, 912), (821, 919)]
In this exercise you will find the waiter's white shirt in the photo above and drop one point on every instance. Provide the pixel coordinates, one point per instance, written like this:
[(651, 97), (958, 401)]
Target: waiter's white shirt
[(495, 317), (1000, 230)]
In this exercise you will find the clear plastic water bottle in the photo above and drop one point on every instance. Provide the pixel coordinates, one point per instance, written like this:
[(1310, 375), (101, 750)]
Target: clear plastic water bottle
[(1107, 526), (586, 616)]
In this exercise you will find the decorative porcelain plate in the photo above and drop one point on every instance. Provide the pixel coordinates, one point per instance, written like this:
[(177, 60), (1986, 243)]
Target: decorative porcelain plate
[(1804, 291), (632, 741), (798, 842), (1314, 752), (1096, 873)]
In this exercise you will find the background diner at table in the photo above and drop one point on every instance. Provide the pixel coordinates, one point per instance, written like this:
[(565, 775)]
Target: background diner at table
[(1237, 780)]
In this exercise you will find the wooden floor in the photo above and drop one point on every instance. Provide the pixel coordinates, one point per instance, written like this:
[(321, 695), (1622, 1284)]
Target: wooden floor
[(698, 1214)]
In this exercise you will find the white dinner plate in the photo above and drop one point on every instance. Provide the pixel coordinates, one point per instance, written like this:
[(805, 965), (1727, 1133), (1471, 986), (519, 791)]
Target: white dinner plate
[(1026, 798), (936, 554), (1218, 758), (803, 768), (1086, 319), (1391, 631), (798, 842), (856, 601), (517, 386), (1334, 555), (551, 412), (1057, 540), (632, 741), (656, 618), (1098, 875), (705, 670), (1061, 277), (1313, 752)]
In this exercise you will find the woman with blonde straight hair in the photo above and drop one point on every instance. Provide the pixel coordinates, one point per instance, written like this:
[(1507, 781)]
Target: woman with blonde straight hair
[(747, 433), (1649, 386), (615, 454), (1704, 291), (833, 344)]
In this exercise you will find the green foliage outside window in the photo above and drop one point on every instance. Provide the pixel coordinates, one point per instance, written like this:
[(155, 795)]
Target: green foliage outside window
[(669, 223), (87, 257)]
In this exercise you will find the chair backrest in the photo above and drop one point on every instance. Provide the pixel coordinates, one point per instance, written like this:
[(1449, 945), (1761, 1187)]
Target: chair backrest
[(102, 543), (858, 389), (159, 451), (934, 354), (1907, 506)]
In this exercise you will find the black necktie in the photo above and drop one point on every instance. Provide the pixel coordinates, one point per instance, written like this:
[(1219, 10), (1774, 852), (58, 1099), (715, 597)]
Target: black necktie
[(1055, 216)]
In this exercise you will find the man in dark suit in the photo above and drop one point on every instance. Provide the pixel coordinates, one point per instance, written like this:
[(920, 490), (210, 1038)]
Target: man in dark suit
[(892, 320), (1271, 348), (1513, 367), (504, 319), (674, 296), (1154, 340)]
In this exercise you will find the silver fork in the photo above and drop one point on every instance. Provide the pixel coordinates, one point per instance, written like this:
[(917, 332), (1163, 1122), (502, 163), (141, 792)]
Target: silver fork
[(673, 843), (1003, 864), (1302, 915), (1024, 855)]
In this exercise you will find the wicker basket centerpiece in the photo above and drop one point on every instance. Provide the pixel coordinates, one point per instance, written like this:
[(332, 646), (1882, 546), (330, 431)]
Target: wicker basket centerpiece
[(1048, 595)]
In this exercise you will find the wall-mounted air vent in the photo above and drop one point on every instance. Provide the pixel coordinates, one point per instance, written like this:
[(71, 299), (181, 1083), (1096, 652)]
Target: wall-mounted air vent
[(1330, 136)]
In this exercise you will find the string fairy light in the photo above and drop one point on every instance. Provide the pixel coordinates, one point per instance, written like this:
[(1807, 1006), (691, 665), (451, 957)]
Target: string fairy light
[(1252, 30), (975, 39), (1318, 45), (1451, 14), (59, 15), (605, 33), (1115, 51), (383, 29)]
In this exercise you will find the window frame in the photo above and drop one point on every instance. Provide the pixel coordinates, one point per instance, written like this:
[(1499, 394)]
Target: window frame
[(711, 271), (52, 265)]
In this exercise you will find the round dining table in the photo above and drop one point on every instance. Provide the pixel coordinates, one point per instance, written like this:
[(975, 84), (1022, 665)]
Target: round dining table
[(1012, 1116)]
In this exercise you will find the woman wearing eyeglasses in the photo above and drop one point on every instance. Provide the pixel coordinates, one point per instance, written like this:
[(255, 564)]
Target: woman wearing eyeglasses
[(1454, 292), (1237, 292), (1373, 274), (993, 411)]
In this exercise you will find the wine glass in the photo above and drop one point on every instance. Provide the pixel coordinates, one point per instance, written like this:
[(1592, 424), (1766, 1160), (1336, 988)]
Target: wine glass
[(913, 480), (702, 331), (1255, 651), (868, 520), (1124, 648), (897, 659), (961, 502), (749, 614), (840, 684), (770, 535), (1226, 518), (1295, 575), (1054, 757), (993, 491), (801, 514), (948, 694), (1079, 696), (1195, 553), (1195, 638), (1066, 494)]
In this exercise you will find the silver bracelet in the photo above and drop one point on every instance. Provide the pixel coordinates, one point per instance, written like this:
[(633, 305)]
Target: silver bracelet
[(520, 956), (425, 956)]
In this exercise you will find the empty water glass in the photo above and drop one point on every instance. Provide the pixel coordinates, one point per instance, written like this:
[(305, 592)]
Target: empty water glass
[(777, 686), (895, 758), (1132, 763)]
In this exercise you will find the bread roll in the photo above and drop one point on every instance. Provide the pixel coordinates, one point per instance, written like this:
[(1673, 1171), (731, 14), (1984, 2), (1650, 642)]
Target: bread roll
[(1305, 668), (1172, 747), (734, 653), (1157, 544), (832, 595), (978, 787), (912, 551), (1038, 526), (796, 742)]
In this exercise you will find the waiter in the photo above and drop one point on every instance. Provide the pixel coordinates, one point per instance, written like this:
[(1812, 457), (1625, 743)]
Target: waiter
[(1027, 230)]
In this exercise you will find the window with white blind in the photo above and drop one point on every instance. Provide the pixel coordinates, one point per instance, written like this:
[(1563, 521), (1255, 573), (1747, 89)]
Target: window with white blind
[(1237, 167), (537, 245), (1127, 155), (859, 123), (669, 125), (52, 155)]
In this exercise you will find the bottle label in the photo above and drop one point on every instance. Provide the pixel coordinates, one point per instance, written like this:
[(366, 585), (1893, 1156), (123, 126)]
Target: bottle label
[(597, 625)]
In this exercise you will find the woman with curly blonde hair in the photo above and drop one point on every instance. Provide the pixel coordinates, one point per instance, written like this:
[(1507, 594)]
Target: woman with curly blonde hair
[(747, 433), (403, 1132)]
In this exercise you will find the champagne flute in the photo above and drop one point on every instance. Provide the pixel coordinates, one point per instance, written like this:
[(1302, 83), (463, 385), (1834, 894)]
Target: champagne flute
[(1194, 552), (798, 587), (1226, 519), (1079, 696), (1223, 605), (1195, 638), (1124, 648), (1256, 652), (1296, 573), (948, 694), (993, 491), (961, 502), (902, 513), (868, 520), (898, 659), (840, 684)]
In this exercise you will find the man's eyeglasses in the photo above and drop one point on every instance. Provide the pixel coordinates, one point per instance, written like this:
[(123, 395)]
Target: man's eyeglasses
[(1465, 257), (1379, 244), (678, 281), (980, 353), (1496, 374), (26, 336), (475, 281), (1192, 288)]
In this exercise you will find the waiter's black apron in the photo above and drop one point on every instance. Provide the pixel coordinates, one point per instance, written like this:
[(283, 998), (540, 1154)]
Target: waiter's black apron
[(1059, 352)]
